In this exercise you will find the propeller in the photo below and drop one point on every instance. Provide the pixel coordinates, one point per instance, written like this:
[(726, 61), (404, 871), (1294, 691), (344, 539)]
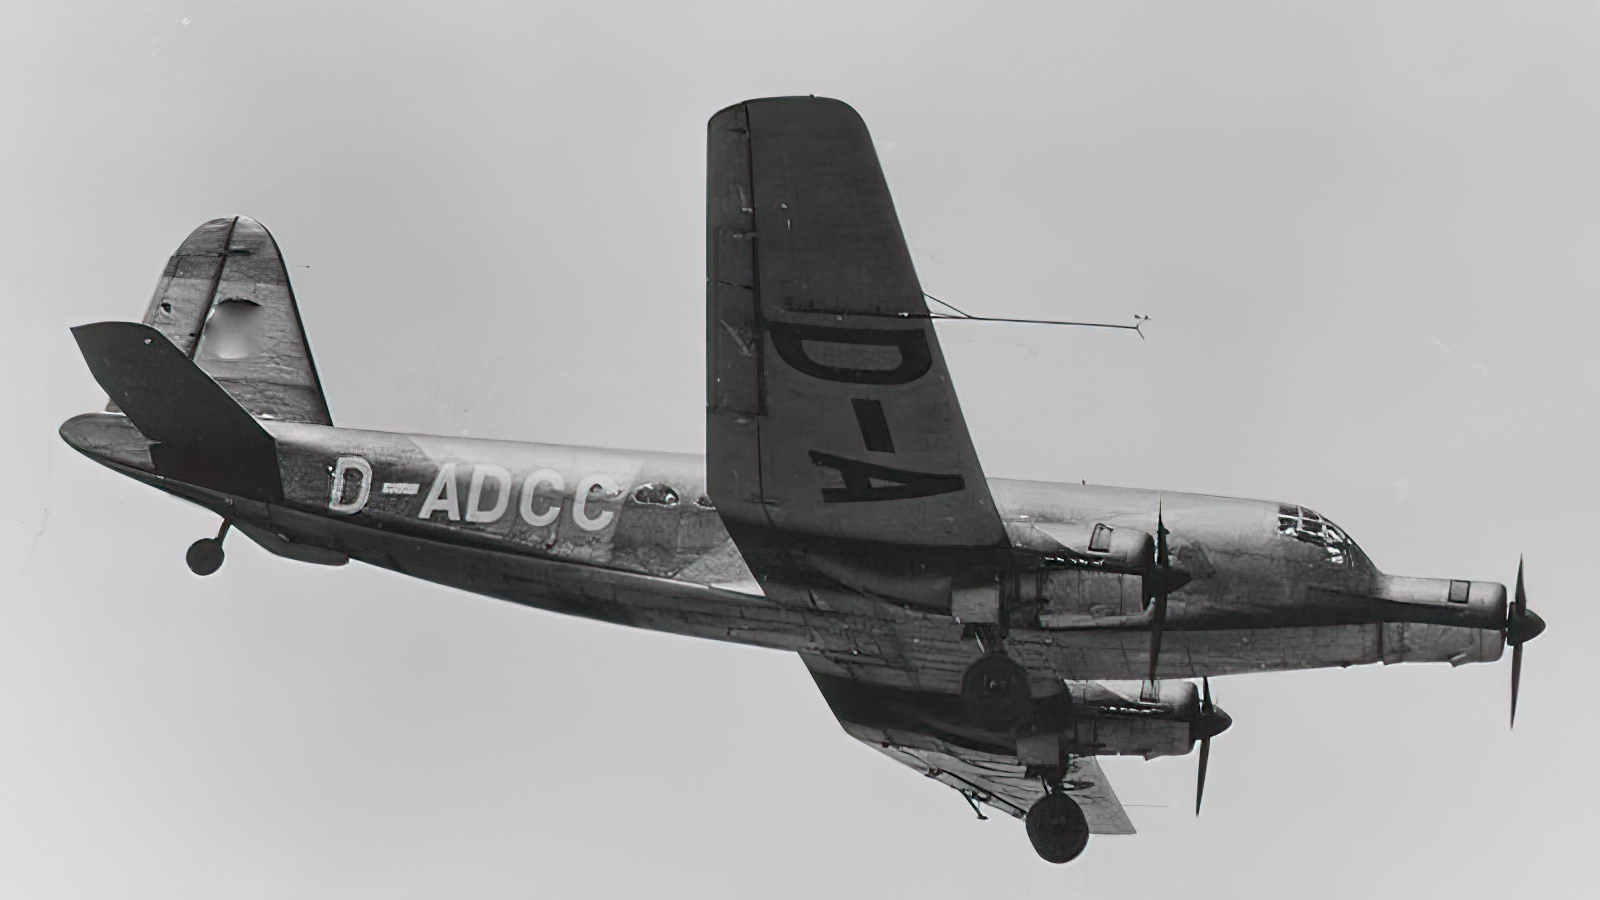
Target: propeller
[(1158, 618), (1521, 626), (1210, 723)]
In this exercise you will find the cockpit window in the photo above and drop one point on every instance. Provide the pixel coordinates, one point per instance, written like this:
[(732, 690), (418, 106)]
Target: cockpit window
[(1305, 525)]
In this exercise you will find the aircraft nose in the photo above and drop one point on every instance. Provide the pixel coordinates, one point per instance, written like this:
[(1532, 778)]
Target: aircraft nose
[(1447, 601)]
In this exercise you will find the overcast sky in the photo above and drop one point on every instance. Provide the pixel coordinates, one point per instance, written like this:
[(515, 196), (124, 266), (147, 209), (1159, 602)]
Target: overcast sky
[(1365, 232)]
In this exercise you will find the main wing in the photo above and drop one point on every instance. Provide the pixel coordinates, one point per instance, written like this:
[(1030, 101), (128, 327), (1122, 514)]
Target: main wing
[(830, 412)]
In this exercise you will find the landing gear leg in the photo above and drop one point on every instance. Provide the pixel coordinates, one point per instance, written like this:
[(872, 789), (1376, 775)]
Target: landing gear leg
[(205, 555), (1056, 826)]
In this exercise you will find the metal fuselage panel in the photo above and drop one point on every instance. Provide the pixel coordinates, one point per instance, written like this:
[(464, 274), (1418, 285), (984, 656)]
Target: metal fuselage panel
[(627, 537)]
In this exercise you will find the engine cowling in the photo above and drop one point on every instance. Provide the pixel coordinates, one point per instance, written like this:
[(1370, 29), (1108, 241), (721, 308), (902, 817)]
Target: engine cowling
[(1093, 543), (1113, 718)]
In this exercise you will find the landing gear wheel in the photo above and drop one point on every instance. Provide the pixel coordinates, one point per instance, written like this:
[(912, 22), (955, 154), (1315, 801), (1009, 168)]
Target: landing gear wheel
[(994, 693), (204, 556), (1057, 828)]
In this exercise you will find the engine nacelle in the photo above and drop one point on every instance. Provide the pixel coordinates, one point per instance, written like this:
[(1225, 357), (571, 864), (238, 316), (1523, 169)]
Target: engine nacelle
[(1112, 718)]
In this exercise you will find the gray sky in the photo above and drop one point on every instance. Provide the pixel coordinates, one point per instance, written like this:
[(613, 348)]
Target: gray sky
[(1365, 232)]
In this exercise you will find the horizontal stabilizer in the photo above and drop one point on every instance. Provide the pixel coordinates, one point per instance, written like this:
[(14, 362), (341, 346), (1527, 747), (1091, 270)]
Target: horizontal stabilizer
[(202, 435)]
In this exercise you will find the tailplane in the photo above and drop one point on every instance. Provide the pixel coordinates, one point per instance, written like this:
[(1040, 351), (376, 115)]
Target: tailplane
[(200, 433)]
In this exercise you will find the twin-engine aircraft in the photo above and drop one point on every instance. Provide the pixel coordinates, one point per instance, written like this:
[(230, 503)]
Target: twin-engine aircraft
[(994, 635)]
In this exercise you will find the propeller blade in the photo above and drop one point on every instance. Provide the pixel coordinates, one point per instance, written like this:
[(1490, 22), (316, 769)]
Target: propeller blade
[(1161, 538), (1522, 626), (1520, 604), (1155, 633), (1516, 680), (1211, 722), (1158, 618)]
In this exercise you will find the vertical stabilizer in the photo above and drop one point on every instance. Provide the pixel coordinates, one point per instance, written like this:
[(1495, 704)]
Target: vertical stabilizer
[(225, 302)]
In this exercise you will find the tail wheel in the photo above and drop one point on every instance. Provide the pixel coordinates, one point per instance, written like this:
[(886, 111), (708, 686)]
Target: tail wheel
[(994, 693), (1057, 828), (204, 556)]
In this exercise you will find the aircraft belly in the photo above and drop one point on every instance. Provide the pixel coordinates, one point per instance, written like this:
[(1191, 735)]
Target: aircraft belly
[(1110, 655)]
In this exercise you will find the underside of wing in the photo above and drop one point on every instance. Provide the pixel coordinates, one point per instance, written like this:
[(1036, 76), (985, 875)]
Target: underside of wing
[(983, 769), (831, 414), (1004, 784)]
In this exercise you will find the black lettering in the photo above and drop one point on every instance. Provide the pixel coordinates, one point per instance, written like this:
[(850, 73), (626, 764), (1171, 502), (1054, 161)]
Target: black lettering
[(901, 356), (874, 427), (864, 481)]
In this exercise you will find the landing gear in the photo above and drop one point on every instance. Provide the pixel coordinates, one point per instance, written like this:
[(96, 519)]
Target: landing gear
[(994, 693), (1057, 828), (205, 555)]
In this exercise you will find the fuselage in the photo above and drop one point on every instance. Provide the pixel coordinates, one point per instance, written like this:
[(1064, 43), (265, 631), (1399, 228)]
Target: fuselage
[(630, 537)]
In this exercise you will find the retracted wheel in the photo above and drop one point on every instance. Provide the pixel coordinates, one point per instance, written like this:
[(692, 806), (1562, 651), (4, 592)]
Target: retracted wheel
[(994, 693), (1057, 828)]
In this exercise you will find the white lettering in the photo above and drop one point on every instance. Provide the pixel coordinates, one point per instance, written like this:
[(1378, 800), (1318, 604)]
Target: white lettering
[(404, 488), (580, 501), (336, 502), (530, 488), (442, 496), (502, 499)]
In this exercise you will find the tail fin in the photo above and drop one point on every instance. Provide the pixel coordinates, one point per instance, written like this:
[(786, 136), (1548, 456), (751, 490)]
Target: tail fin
[(225, 302), (202, 435)]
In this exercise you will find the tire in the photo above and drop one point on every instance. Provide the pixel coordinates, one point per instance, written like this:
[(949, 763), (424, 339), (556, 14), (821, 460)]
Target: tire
[(204, 556), (994, 693), (1057, 828)]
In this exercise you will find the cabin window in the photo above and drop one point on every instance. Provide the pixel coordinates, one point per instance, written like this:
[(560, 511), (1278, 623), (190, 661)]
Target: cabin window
[(1459, 591), (1305, 525), (654, 495)]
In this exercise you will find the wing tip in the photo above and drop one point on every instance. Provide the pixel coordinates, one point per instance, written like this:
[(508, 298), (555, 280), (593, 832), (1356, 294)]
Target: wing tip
[(796, 100)]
